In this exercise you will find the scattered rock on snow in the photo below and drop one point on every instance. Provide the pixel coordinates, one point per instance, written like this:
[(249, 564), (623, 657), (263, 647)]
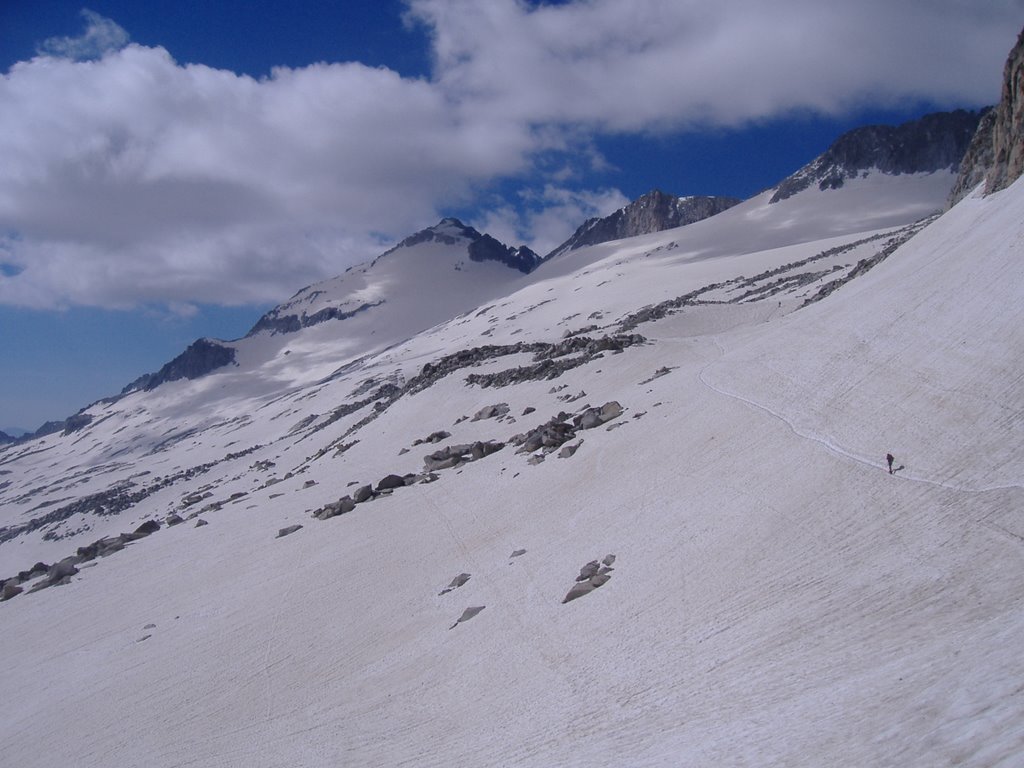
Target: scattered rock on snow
[(592, 575), (287, 530), (363, 493), (455, 583), (491, 411), (468, 614), (518, 553)]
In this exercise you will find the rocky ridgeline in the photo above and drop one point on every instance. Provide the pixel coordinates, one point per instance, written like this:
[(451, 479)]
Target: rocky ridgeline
[(552, 361), (869, 262), (112, 501), (653, 212), (60, 573), (934, 142)]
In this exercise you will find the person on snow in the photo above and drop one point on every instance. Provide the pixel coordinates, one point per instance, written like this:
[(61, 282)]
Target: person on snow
[(889, 458)]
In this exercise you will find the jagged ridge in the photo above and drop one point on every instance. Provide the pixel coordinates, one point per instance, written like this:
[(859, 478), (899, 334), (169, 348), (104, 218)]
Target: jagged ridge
[(653, 212), (934, 142)]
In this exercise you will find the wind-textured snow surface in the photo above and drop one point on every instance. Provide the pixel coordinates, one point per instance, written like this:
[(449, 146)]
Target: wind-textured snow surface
[(776, 597)]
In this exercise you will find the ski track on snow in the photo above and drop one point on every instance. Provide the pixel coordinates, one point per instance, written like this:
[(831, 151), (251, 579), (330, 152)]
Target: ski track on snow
[(829, 444)]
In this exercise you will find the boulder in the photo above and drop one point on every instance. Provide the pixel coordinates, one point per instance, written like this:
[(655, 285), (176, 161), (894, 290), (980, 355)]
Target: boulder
[(200, 523), (491, 411), (287, 530), (340, 507), (363, 493), (148, 527), (567, 451), (10, 589), (390, 482), (173, 519), (588, 570), (480, 450)]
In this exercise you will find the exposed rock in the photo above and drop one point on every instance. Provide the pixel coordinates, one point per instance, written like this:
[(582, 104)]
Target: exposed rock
[(148, 527), (287, 530), (568, 451), (363, 493), (173, 519), (490, 412), (11, 589), (977, 161), (201, 358), (1008, 129), (934, 142), (200, 523), (467, 614), (280, 320), (481, 450), (390, 482), (592, 575), (455, 583), (518, 553), (653, 212), (588, 570), (76, 422), (342, 506)]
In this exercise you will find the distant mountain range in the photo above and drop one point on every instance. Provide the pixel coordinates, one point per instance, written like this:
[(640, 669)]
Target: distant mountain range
[(367, 297)]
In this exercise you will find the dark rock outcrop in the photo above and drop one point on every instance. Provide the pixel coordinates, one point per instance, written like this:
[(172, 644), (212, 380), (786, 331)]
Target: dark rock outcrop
[(287, 530), (934, 142), (1008, 131), (455, 583), (653, 212), (977, 161), (202, 357), (390, 482), (486, 248)]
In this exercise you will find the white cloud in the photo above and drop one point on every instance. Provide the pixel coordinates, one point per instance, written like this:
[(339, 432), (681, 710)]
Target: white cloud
[(546, 219), (127, 179), (651, 64), (101, 36)]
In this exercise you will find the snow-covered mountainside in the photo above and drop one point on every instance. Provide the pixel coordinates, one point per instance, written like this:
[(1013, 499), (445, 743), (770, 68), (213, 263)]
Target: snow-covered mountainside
[(425, 279), (631, 508)]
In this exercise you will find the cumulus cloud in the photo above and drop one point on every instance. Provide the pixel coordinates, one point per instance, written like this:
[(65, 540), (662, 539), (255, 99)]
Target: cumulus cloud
[(545, 219), (101, 36), (127, 178), (662, 64)]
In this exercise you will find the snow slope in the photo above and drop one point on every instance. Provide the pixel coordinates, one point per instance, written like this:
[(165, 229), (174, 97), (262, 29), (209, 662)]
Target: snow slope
[(777, 598)]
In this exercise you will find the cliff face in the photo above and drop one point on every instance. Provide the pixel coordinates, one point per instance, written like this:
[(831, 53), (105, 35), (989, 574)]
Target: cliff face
[(1008, 129), (653, 212), (996, 154), (931, 143), (977, 162)]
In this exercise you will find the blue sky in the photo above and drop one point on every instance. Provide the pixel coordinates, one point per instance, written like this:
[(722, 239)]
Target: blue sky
[(171, 169)]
